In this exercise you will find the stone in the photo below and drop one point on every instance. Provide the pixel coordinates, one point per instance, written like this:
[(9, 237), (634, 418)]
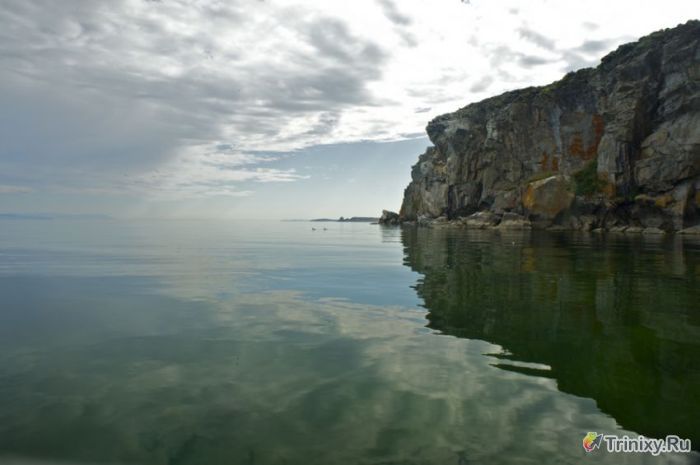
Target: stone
[(692, 230), (514, 221), (481, 220), (389, 218), (586, 222), (424, 220), (548, 197), (504, 201)]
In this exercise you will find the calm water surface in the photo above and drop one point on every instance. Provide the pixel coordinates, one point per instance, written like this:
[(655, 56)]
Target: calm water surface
[(269, 343)]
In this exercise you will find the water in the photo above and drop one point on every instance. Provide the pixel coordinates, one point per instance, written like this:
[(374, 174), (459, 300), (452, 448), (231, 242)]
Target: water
[(269, 343)]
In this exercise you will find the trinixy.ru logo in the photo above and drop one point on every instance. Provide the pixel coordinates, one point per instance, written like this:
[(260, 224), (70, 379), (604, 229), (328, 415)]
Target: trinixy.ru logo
[(592, 441), (640, 444)]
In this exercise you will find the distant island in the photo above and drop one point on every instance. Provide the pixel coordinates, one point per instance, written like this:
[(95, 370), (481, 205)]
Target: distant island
[(53, 216), (352, 219), (342, 219)]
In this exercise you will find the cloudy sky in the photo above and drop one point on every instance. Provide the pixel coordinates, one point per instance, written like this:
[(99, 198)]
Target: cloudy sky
[(265, 108)]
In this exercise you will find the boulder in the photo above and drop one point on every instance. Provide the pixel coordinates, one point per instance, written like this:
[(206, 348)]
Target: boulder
[(514, 221), (691, 231), (389, 218), (481, 220), (548, 197)]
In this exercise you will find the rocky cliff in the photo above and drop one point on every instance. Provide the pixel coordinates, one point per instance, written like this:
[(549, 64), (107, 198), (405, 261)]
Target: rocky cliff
[(614, 147)]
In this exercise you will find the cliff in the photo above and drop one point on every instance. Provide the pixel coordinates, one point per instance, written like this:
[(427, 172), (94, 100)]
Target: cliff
[(614, 147)]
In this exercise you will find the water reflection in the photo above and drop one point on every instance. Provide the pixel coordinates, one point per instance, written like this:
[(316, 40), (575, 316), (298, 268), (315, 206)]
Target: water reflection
[(612, 318), (217, 344)]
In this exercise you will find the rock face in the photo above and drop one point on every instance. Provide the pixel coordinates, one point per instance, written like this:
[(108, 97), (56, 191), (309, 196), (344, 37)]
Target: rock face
[(612, 146)]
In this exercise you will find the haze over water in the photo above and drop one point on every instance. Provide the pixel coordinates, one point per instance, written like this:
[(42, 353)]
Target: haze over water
[(182, 342)]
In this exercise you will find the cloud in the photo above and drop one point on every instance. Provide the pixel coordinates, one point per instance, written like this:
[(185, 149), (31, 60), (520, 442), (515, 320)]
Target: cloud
[(528, 61), (324, 124), (597, 46), (211, 171), (125, 86), (566, 59), (7, 189), (482, 84), (409, 40), (537, 38), (400, 21), (503, 55), (589, 53), (393, 13), (332, 38)]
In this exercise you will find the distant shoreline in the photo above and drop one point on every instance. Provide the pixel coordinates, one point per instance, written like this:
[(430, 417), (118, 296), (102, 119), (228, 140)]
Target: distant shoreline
[(53, 216), (353, 219)]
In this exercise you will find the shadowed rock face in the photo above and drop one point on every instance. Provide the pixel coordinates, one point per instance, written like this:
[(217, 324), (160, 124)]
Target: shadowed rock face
[(623, 140), (611, 318)]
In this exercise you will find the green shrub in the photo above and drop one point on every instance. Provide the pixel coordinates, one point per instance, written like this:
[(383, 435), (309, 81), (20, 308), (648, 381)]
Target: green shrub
[(587, 181)]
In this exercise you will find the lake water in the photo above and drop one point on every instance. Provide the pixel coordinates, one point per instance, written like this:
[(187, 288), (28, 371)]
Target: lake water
[(269, 343)]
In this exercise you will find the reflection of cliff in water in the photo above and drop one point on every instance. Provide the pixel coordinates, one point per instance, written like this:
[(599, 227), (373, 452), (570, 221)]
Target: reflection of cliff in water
[(616, 319)]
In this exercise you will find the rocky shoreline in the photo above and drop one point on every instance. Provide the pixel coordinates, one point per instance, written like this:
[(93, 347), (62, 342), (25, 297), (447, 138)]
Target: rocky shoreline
[(612, 148), (514, 222)]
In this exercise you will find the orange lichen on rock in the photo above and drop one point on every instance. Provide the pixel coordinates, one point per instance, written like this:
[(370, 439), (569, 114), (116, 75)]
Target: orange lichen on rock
[(598, 128), (577, 147), (663, 201), (529, 197), (607, 188), (548, 165)]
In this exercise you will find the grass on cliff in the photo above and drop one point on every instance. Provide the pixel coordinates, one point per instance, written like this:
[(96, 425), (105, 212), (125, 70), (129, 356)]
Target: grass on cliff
[(586, 181)]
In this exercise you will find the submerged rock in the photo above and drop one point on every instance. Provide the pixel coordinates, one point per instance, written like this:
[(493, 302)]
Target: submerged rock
[(612, 146), (481, 220)]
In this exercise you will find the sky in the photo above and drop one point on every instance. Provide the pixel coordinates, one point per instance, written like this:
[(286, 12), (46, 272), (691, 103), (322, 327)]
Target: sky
[(265, 108)]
